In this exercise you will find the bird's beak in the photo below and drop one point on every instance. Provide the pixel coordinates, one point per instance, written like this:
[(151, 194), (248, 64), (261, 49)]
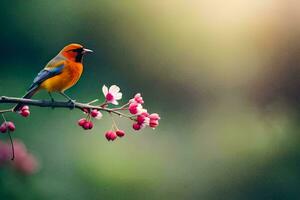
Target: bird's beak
[(87, 51)]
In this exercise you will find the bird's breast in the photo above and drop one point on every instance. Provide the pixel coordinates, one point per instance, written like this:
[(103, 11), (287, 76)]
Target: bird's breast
[(69, 77)]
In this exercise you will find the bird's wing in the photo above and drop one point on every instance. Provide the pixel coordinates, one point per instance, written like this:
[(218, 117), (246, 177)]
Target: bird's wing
[(53, 68)]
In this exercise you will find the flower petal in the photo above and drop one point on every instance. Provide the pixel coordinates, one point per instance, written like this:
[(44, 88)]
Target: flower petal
[(104, 90), (114, 89), (99, 116), (115, 102), (118, 96)]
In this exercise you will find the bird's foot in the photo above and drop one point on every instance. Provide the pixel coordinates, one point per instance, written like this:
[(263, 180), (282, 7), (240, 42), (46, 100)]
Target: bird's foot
[(52, 101)]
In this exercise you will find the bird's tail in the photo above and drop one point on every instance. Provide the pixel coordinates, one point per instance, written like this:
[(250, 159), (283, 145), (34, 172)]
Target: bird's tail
[(28, 95)]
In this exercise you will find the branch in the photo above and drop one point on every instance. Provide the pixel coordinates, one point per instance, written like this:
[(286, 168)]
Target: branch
[(57, 104), (139, 115)]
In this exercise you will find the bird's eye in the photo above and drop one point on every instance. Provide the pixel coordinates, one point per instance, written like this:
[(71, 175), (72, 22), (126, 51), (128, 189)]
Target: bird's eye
[(78, 50)]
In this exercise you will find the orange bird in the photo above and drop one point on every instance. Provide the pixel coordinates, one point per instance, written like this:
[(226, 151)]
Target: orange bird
[(61, 73)]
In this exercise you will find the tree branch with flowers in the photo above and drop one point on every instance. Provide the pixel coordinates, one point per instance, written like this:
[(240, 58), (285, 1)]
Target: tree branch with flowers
[(133, 110)]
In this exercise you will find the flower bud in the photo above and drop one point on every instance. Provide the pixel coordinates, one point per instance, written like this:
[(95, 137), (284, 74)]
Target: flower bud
[(110, 135), (136, 126), (94, 113), (86, 125), (107, 135), (25, 113), (154, 116), (135, 108), (113, 136), (85, 110), (120, 133), (10, 126), (91, 125), (81, 122), (24, 108), (3, 128), (138, 98), (153, 123)]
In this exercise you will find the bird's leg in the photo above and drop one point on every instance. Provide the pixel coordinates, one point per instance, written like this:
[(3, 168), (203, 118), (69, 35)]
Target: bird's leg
[(51, 97), (71, 101)]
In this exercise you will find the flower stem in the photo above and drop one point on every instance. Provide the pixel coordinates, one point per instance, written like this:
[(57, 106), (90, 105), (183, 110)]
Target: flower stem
[(10, 138), (12, 146), (5, 111), (94, 101), (114, 123)]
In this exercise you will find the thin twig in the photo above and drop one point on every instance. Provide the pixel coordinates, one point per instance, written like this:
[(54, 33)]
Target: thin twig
[(12, 145), (124, 107), (5, 111), (115, 127), (94, 101)]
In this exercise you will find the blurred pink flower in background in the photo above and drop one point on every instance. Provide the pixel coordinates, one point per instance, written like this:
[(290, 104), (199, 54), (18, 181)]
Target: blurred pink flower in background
[(24, 162)]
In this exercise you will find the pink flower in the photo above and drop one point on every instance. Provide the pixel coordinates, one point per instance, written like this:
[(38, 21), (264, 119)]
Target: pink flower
[(27, 166), (112, 94), (136, 126), (136, 108), (24, 162), (143, 120), (110, 135), (153, 124), (88, 125), (24, 111), (4, 153), (96, 114), (154, 117), (81, 122), (85, 124), (120, 133), (137, 99), (11, 126), (3, 128)]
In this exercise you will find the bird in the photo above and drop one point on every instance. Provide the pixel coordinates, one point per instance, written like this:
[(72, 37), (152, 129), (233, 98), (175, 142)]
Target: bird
[(60, 73)]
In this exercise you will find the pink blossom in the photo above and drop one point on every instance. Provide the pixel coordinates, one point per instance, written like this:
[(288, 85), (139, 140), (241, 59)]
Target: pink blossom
[(81, 122), (24, 111), (153, 124), (24, 162), (110, 135), (96, 114), (88, 125), (11, 126), (136, 108), (25, 107), (112, 94), (120, 133), (4, 153), (154, 117), (143, 120), (137, 99), (136, 126), (3, 128)]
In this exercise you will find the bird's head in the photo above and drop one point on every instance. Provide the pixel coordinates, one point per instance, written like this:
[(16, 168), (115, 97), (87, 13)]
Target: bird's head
[(74, 52)]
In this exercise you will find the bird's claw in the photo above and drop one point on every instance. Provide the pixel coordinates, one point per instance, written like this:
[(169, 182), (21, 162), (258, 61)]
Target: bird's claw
[(52, 101)]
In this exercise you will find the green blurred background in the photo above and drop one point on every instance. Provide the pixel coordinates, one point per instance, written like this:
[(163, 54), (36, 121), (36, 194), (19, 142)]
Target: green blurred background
[(224, 76)]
